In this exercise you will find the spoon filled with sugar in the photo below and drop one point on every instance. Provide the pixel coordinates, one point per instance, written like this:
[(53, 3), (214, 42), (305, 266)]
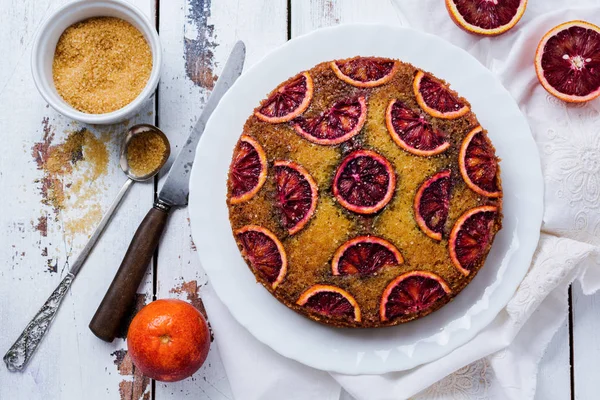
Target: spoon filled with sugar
[(144, 151)]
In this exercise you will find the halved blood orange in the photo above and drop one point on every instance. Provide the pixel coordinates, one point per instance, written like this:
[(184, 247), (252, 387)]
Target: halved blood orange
[(364, 182), (248, 170), (471, 237), (411, 293), (330, 301), (365, 255), (436, 99), (478, 164), (412, 132), (486, 17), (265, 253), (296, 195), (567, 61), (432, 203), (365, 71), (288, 100), (341, 122)]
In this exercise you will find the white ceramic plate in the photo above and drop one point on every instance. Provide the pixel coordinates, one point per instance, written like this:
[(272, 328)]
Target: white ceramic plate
[(369, 351)]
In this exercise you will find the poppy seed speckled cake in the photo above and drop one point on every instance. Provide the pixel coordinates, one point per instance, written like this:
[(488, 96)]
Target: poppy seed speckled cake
[(364, 193)]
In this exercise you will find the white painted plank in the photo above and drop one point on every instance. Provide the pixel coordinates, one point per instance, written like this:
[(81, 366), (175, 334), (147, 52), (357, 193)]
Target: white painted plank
[(308, 15), (197, 38), (71, 363), (586, 344), (554, 375)]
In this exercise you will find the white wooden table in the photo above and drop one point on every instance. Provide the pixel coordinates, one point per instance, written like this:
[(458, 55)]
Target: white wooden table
[(39, 232)]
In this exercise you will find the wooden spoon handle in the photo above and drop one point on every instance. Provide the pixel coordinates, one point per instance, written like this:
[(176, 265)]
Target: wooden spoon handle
[(120, 297)]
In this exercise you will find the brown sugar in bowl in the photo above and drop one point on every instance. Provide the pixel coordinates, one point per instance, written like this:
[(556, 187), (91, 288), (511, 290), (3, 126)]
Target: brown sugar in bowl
[(52, 28)]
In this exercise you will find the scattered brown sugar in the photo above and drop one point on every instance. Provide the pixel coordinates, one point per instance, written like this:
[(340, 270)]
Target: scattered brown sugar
[(101, 64), (145, 153), (72, 181)]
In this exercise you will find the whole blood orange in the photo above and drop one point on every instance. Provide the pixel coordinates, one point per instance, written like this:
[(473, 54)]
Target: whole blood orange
[(168, 340), (567, 61)]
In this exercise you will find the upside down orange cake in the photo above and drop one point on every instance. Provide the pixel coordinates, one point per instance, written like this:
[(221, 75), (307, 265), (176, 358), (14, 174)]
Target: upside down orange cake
[(364, 193)]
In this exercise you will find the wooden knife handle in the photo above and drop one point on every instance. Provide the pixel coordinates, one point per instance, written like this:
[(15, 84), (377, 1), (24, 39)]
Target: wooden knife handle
[(120, 297)]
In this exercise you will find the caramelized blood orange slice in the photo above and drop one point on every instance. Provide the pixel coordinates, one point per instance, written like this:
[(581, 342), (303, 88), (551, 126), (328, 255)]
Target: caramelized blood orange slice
[(341, 122), (364, 182), (265, 253), (289, 100), (248, 170), (330, 301), (432, 203), (436, 99), (296, 195), (413, 132), (365, 71), (478, 164), (567, 61), (411, 293), (471, 237), (365, 255), (486, 17)]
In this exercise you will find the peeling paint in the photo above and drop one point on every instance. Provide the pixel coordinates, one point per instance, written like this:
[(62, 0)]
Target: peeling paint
[(331, 12), (136, 389), (52, 265), (42, 225), (199, 55)]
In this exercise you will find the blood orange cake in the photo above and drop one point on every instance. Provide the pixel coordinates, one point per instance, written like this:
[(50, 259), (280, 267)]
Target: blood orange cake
[(364, 193)]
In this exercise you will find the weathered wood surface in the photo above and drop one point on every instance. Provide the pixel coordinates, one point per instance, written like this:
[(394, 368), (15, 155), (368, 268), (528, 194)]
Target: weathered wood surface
[(57, 178), (49, 210), (198, 38)]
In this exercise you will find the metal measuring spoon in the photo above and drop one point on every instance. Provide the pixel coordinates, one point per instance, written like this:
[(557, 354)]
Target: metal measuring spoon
[(21, 351)]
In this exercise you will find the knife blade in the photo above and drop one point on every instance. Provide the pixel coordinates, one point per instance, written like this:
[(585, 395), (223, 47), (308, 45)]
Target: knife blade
[(176, 187), (120, 296)]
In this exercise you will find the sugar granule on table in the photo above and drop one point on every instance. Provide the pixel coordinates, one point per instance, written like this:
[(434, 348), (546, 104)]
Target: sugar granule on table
[(101, 64)]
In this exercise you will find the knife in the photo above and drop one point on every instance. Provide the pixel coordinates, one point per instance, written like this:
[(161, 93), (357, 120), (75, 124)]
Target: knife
[(119, 299)]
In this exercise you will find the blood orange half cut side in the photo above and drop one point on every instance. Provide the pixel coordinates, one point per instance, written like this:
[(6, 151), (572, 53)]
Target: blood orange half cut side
[(341, 122), (411, 293), (567, 61), (288, 100), (486, 17), (330, 301), (296, 195), (364, 182), (478, 164), (365, 255), (471, 237), (412, 132), (436, 99), (432, 203), (365, 71), (248, 170), (265, 253)]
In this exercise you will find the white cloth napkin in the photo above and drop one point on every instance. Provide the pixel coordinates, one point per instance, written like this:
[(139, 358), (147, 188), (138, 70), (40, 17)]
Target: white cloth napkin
[(501, 361)]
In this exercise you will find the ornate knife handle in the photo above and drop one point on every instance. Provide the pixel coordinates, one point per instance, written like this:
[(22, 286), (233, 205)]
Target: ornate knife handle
[(21, 351)]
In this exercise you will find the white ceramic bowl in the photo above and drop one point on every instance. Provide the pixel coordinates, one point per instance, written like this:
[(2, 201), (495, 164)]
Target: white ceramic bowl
[(51, 30)]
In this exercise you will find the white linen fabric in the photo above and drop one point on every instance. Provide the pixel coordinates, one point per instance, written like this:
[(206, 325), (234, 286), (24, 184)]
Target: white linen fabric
[(501, 361)]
